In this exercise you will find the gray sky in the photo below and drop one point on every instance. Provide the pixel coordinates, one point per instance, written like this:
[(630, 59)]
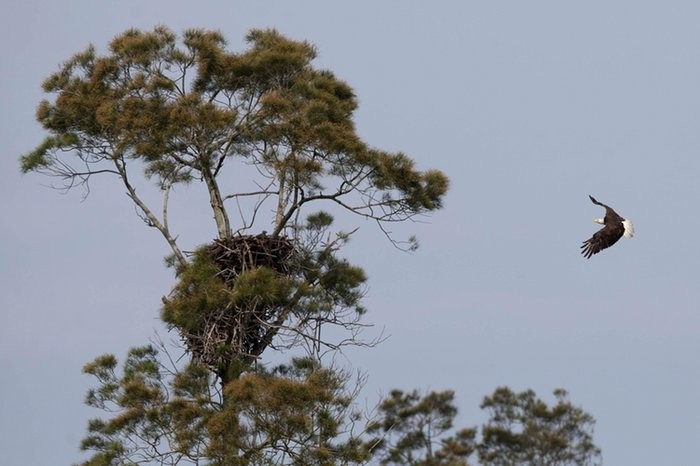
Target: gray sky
[(527, 106)]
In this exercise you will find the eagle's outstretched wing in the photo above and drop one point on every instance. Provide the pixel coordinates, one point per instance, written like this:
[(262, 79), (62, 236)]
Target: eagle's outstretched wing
[(601, 239), (593, 199), (610, 214), (596, 202)]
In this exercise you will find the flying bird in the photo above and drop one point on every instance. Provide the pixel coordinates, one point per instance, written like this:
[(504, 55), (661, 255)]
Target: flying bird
[(615, 228)]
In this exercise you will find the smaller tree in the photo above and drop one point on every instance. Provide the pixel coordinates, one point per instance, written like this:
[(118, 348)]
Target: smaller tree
[(523, 430), (413, 431)]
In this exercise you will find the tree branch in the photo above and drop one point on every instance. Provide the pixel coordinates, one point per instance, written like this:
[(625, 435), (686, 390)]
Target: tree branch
[(153, 221)]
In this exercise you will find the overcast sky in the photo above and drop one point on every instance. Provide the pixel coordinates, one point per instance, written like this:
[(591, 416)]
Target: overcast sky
[(528, 106)]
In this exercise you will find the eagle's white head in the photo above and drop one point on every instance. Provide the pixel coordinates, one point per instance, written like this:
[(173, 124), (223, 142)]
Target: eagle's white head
[(599, 220)]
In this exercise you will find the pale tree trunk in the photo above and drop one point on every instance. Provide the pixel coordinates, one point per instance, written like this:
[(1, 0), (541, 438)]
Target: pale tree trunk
[(223, 225), (281, 200)]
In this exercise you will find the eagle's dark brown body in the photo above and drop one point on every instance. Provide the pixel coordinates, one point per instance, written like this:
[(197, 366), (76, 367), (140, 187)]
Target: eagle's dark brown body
[(613, 229)]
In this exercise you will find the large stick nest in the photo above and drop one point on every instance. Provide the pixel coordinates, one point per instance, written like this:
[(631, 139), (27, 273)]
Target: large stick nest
[(241, 253), (241, 333)]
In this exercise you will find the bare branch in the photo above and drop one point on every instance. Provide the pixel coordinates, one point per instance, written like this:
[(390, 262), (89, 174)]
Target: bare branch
[(252, 193), (153, 221)]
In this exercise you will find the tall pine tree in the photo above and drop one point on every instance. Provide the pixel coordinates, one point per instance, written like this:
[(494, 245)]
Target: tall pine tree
[(186, 110)]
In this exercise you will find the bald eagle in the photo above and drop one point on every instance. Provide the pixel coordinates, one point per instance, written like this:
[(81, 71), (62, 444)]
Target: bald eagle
[(615, 228)]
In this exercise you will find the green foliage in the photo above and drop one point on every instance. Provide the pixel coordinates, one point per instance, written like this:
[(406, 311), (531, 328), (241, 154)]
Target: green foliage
[(199, 292), (37, 159), (296, 414), (319, 221), (414, 431), (421, 191), (523, 430), (262, 286), (331, 281), (300, 412), (186, 107), (149, 418)]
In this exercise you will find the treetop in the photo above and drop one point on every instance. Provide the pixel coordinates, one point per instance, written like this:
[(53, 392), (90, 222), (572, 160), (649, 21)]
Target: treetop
[(184, 109)]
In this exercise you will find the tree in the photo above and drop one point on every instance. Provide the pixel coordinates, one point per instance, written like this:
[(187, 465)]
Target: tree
[(270, 138), (191, 111), (523, 430), (413, 430)]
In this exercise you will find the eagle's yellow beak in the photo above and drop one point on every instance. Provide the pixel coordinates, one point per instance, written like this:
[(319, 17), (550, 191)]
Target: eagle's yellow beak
[(599, 220)]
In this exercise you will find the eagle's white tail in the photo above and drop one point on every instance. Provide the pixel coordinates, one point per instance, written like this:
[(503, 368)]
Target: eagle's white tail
[(629, 228)]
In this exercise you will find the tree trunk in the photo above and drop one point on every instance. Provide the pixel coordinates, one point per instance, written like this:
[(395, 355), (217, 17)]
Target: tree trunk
[(223, 225)]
